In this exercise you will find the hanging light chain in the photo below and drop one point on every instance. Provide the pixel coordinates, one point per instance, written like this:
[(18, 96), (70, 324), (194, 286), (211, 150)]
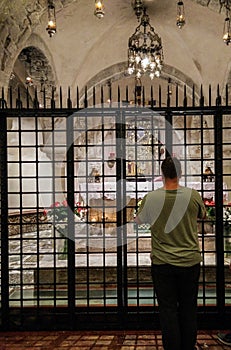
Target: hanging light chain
[(138, 8), (145, 53), (51, 26)]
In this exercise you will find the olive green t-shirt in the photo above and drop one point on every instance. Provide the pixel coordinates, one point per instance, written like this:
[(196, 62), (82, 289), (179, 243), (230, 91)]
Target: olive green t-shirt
[(172, 215)]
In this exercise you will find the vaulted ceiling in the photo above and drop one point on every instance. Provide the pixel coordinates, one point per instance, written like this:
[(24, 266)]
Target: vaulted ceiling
[(87, 51)]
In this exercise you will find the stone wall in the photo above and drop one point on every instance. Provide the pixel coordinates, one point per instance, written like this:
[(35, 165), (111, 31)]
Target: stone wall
[(50, 278), (27, 222)]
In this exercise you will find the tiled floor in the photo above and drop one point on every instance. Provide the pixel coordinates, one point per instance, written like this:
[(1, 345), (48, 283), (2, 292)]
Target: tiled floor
[(129, 340)]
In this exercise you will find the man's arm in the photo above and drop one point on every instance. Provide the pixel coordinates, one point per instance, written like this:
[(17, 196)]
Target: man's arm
[(141, 206)]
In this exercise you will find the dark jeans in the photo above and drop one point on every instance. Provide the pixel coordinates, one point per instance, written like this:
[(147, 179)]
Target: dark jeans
[(176, 290)]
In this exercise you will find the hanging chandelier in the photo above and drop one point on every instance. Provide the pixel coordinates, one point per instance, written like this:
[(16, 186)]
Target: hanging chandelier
[(226, 30), (99, 9), (145, 54), (180, 18), (51, 26), (226, 5)]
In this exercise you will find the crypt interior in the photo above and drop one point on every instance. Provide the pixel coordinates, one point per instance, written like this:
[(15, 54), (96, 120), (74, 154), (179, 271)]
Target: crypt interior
[(86, 118)]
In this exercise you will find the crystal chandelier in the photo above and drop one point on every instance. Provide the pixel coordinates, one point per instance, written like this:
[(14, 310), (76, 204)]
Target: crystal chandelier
[(145, 54), (51, 26)]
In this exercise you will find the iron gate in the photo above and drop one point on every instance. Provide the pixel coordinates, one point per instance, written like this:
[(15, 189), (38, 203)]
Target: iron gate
[(71, 182)]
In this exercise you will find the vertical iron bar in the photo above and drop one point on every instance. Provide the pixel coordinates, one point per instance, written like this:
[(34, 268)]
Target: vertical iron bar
[(53, 177), (94, 96), (60, 98), (3, 101), (27, 98), (69, 102), (135, 96), (101, 95), (218, 99), (185, 101), (35, 102), (110, 94), (226, 95), (77, 97), (168, 140), (143, 95), (124, 209), (121, 207), (152, 102), (53, 98), (18, 100), (38, 262), (210, 95), (177, 95), (168, 97), (160, 96), (127, 101), (220, 286), (4, 224), (71, 226), (202, 99), (193, 96), (203, 267), (119, 222), (118, 94), (20, 177), (85, 98), (11, 98), (44, 98)]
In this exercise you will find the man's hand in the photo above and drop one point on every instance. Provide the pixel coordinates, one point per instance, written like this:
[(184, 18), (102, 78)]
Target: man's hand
[(138, 221)]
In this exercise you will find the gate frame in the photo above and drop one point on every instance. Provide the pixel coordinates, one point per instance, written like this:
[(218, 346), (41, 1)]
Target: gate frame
[(121, 317)]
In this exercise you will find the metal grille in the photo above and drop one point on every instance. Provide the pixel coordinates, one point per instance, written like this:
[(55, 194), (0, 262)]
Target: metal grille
[(71, 182)]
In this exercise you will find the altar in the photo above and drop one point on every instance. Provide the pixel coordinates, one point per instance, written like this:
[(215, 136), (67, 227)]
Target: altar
[(137, 190), (103, 205)]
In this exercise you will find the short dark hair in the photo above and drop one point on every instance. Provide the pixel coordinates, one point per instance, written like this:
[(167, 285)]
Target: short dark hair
[(171, 167)]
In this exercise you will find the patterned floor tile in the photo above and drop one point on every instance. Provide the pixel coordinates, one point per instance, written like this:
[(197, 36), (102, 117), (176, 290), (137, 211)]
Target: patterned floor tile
[(118, 340)]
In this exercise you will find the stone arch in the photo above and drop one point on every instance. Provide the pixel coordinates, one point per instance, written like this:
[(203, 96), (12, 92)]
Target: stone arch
[(36, 65), (36, 60), (37, 42), (14, 75), (118, 71), (17, 29)]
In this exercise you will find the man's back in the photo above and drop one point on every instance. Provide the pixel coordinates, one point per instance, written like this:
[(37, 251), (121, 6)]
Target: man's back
[(173, 215)]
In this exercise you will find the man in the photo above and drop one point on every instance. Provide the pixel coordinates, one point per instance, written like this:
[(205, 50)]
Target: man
[(172, 211)]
